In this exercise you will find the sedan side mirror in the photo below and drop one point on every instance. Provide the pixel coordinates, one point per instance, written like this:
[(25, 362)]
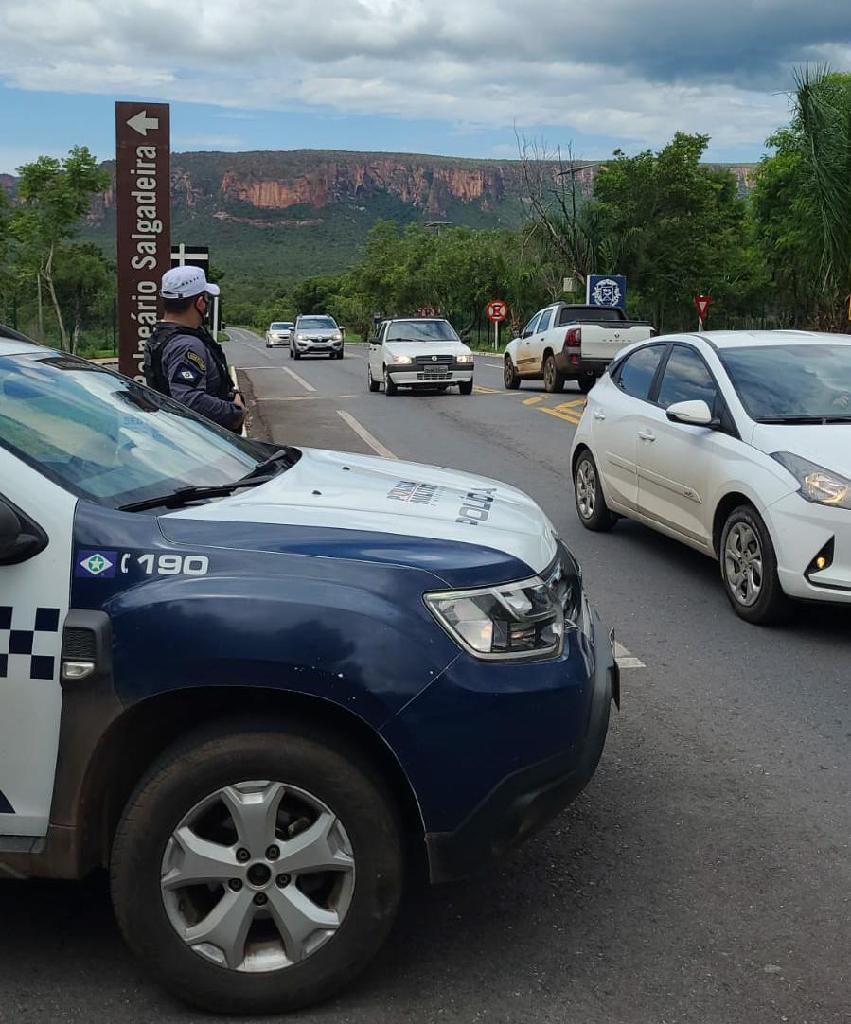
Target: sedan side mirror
[(696, 413), (20, 537)]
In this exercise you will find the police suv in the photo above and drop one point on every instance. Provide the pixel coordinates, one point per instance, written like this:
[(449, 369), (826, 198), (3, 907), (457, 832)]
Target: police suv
[(263, 685)]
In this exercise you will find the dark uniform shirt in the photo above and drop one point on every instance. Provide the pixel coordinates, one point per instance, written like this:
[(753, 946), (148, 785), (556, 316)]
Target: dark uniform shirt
[(195, 372)]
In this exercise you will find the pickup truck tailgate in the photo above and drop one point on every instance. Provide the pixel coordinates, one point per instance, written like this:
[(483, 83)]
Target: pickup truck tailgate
[(605, 342)]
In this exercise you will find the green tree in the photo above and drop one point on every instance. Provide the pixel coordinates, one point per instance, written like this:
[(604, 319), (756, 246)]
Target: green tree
[(679, 225), (802, 203), (53, 196), (83, 281)]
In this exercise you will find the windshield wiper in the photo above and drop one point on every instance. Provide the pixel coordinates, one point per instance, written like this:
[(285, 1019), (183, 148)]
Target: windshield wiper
[(282, 459), (804, 419), (186, 495), (285, 457)]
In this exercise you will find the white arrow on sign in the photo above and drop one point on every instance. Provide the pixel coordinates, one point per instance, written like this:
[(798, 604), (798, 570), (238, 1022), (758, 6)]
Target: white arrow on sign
[(142, 124)]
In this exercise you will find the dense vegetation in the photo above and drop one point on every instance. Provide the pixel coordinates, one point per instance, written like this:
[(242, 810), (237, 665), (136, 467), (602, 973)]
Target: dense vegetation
[(674, 225)]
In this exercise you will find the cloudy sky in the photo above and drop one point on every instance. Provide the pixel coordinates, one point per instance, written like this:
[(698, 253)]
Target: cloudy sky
[(436, 76)]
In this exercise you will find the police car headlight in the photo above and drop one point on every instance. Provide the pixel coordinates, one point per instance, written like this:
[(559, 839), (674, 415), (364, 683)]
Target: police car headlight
[(401, 360), (514, 621)]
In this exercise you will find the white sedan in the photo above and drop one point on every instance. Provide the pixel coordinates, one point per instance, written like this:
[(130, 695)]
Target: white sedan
[(738, 444), (280, 332), (419, 354)]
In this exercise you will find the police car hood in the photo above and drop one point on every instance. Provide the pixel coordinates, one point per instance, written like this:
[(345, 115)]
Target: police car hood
[(343, 491)]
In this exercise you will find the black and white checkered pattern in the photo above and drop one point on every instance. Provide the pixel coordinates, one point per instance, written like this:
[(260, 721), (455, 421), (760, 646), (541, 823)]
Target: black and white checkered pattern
[(24, 643)]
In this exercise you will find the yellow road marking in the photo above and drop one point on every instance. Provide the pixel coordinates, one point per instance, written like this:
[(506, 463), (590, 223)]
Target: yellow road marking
[(482, 390), (533, 400), (570, 417)]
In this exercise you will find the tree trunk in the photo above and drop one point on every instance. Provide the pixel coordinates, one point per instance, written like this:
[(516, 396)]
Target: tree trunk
[(57, 309), (40, 307)]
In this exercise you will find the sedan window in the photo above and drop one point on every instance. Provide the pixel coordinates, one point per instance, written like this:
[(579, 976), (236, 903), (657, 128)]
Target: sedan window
[(636, 372), (686, 378)]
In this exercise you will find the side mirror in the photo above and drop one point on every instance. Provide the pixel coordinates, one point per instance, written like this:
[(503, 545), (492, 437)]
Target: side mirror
[(20, 537), (696, 413), (343, 332)]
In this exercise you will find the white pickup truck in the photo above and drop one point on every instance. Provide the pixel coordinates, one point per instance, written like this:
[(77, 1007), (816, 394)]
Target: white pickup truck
[(564, 342)]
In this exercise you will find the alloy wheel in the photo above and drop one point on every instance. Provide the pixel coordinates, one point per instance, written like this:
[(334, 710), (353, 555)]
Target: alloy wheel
[(743, 564), (258, 876), (586, 488)]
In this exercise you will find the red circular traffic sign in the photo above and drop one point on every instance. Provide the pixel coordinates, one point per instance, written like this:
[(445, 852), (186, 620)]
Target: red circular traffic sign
[(497, 311)]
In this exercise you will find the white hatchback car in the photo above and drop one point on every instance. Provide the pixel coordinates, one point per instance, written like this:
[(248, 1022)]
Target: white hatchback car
[(738, 444), (418, 353)]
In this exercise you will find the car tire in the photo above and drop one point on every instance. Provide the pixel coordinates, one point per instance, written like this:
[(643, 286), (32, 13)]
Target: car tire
[(212, 773), (591, 507), (586, 382), (749, 569), (511, 379), (292, 354), (341, 354), (465, 387), (389, 387), (553, 380), (296, 354), (373, 384)]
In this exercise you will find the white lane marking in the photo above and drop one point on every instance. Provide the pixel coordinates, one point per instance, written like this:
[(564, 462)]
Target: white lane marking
[(362, 432), (307, 386), (625, 659)]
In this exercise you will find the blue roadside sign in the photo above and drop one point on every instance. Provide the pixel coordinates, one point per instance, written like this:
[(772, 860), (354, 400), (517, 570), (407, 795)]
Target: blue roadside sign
[(606, 290)]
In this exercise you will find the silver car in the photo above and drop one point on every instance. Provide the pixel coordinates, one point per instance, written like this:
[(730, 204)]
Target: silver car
[(280, 333), (317, 335)]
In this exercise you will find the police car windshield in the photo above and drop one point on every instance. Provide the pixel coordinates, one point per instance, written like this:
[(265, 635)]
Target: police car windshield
[(108, 439), (421, 330)]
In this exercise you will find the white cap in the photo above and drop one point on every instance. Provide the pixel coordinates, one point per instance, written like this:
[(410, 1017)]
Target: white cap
[(184, 282)]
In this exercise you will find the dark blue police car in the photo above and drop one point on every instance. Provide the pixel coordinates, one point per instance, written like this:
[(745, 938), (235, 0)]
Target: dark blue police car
[(264, 685)]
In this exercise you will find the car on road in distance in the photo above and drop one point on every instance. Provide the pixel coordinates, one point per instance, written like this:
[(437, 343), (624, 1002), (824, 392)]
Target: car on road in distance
[(737, 443), (317, 335), (264, 685), (280, 333), (418, 353), (564, 342)]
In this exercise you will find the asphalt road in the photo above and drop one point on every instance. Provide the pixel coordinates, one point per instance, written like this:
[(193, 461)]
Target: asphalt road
[(704, 875)]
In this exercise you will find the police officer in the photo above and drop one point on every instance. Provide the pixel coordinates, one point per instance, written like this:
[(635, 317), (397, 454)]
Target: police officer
[(182, 359)]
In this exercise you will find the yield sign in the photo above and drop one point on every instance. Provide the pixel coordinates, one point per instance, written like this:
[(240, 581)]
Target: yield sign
[(497, 310), (702, 304)]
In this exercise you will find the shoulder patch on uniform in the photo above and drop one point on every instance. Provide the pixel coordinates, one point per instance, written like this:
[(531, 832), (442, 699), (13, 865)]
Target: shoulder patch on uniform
[(193, 357), (187, 373)]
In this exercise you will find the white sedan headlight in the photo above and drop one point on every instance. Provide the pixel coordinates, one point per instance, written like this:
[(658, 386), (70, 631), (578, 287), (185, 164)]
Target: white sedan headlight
[(819, 485), (464, 358), (401, 360), (517, 620)]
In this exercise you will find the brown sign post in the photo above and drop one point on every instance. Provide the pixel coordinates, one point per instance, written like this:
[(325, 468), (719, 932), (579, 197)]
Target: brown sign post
[(142, 217)]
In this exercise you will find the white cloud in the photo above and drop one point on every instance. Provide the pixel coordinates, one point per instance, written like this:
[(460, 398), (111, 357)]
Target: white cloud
[(606, 68)]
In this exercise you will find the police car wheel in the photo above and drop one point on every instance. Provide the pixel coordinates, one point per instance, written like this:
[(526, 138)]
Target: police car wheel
[(257, 871)]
